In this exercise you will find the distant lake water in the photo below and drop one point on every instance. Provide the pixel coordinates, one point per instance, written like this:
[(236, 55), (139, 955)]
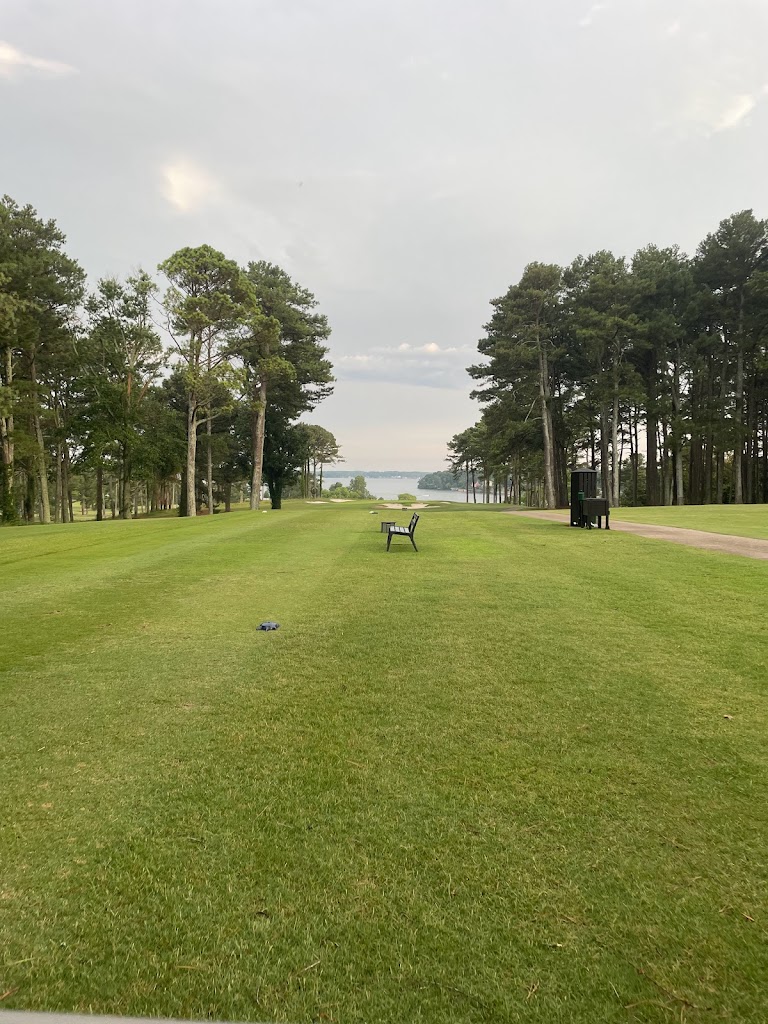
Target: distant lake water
[(389, 487)]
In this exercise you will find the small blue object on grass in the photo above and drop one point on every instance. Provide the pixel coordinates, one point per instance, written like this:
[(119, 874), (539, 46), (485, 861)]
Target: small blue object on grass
[(269, 625)]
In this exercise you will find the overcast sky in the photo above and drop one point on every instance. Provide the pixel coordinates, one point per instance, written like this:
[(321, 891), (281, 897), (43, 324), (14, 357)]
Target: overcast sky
[(403, 159)]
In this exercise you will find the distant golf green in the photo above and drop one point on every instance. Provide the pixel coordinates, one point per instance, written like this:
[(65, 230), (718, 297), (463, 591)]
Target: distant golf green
[(740, 520), (520, 775)]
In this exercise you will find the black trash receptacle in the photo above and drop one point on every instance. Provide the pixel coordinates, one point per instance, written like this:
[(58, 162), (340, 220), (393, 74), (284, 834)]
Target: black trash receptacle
[(584, 480)]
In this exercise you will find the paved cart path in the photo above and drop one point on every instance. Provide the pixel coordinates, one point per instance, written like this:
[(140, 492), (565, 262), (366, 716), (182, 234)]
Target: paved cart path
[(748, 547)]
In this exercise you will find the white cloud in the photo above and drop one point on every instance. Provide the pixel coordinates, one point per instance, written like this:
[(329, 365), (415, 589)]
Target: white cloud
[(734, 113), (713, 109), (430, 348), (591, 14), (433, 349), (673, 29), (13, 60), (188, 187)]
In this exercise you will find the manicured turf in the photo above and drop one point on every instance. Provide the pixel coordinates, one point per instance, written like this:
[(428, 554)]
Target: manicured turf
[(741, 520), (491, 781)]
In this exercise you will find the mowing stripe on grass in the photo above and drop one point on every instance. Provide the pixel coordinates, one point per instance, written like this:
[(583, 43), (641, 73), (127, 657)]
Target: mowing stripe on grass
[(489, 781)]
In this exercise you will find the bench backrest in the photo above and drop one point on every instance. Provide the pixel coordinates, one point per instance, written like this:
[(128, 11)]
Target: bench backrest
[(414, 520)]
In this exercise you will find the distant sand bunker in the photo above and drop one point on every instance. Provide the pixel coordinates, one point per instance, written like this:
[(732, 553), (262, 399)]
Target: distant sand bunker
[(402, 508)]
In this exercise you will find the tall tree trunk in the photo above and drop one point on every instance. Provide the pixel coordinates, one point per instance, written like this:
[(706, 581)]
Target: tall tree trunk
[(124, 483), (695, 475), (709, 454), (751, 460), (605, 470), (616, 464), (708, 458), (58, 497), (228, 496), (209, 467), (8, 503), (257, 435), (667, 472), (68, 505), (721, 414), (696, 452), (738, 415), (634, 455), (191, 503), (653, 493), (546, 424), (275, 485), (677, 432), (64, 495), (30, 498), (42, 471), (99, 492), (37, 429), (8, 508), (183, 493)]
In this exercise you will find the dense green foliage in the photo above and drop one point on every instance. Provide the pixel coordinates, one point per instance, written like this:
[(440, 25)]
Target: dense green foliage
[(443, 480), (356, 491), (653, 369), (341, 821), (89, 411)]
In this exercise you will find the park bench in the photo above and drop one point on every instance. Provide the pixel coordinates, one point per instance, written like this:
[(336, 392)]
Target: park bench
[(403, 531)]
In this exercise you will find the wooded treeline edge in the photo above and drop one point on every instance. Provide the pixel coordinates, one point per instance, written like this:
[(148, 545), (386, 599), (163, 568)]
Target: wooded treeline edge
[(582, 361), (89, 394)]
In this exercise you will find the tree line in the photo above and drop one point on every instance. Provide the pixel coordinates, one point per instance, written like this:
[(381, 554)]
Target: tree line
[(653, 370), (147, 395), (442, 480)]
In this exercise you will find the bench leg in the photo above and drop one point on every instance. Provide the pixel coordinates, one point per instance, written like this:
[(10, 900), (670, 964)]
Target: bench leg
[(607, 520), (414, 544), (389, 540)]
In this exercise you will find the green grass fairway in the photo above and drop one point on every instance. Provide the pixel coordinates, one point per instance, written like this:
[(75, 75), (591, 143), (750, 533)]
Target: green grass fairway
[(740, 520), (491, 781)]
